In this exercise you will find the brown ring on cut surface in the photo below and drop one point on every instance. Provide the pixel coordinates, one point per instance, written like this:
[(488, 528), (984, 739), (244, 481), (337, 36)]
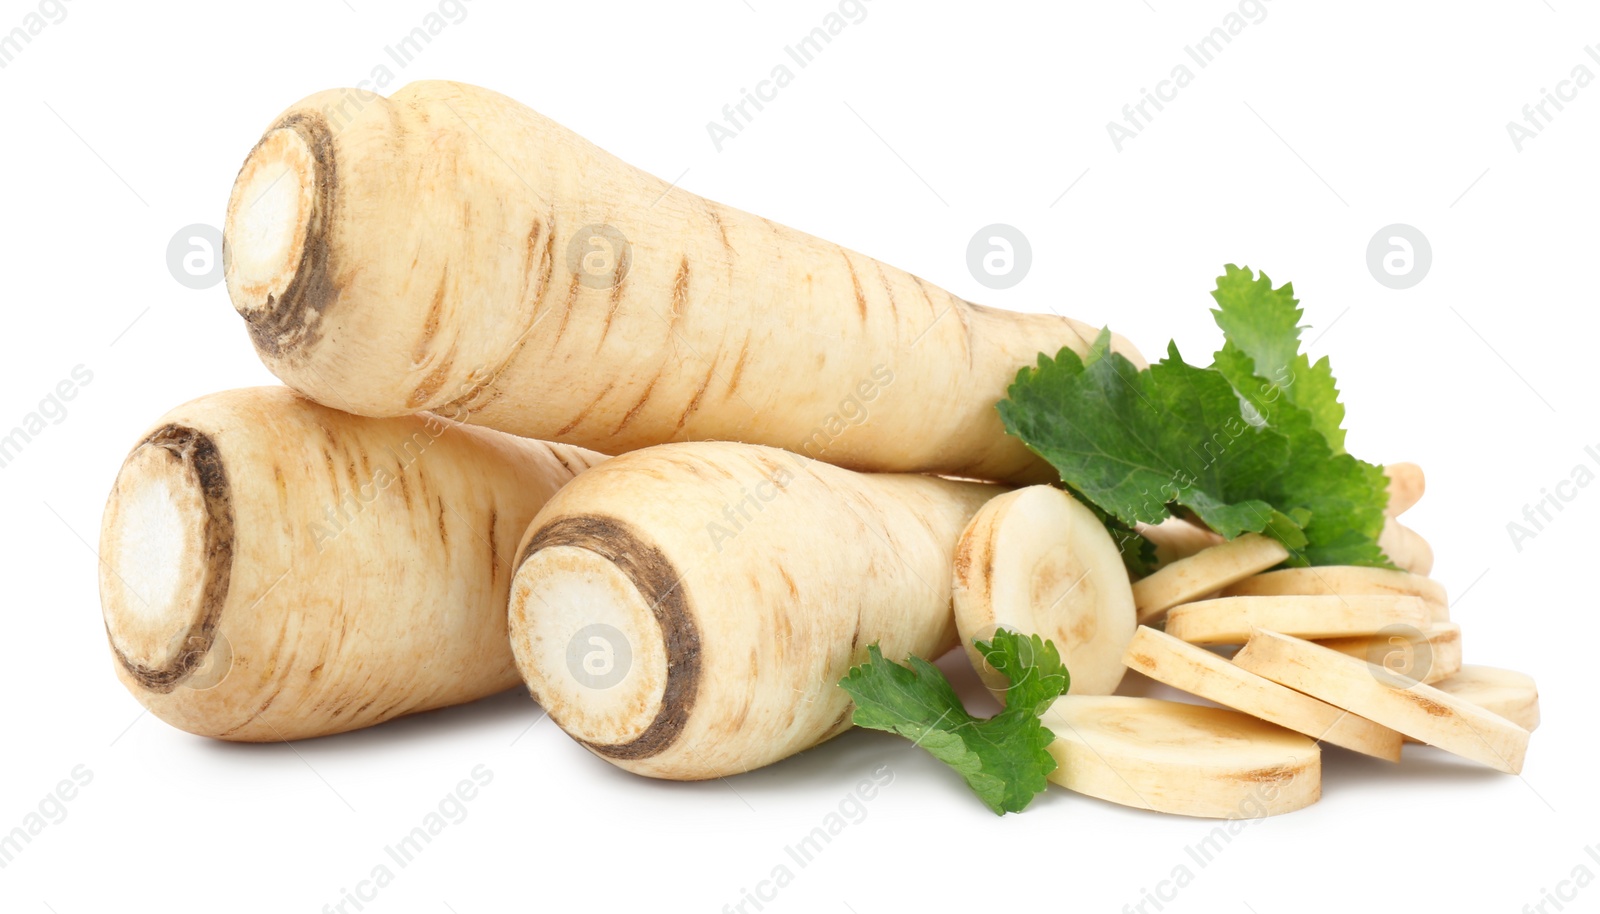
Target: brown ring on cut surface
[(287, 320), (199, 454), (657, 580)]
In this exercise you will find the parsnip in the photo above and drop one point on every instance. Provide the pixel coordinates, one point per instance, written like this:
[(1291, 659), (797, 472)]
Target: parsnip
[(1406, 484), (1176, 538), (1229, 620), (1180, 758), (273, 569), (1345, 579), (1200, 672), (1204, 572), (1508, 693), (686, 611), (1426, 654), (1406, 548), (448, 246), (1037, 561), (1417, 710)]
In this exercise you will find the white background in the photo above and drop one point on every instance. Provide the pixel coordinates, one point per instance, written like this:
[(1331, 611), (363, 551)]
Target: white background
[(1315, 127)]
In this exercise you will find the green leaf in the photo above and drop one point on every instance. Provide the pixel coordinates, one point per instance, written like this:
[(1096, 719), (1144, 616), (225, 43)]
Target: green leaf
[(1341, 499), (1003, 759), (1263, 323), (1137, 443), (1253, 443)]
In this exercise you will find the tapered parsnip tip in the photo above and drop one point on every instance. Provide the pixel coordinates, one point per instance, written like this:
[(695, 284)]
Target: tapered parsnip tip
[(166, 549), (1406, 484), (600, 633)]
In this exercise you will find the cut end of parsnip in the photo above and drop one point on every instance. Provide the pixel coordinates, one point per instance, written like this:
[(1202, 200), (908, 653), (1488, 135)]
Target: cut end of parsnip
[(1189, 760), (602, 636), (166, 556), (273, 252), (1036, 561)]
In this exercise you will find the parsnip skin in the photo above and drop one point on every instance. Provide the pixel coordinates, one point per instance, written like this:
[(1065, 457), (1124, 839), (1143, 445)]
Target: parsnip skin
[(709, 324), (736, 584), (274, 569)]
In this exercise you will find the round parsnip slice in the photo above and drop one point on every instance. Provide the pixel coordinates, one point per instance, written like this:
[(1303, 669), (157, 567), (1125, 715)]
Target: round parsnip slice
[(1204, 572), (1037, 561), (1200, 672), (1406, 484), (1508, 693), (1189, 760), (1427, 654), (1324, 580), (1418, 710), (1229, 620)]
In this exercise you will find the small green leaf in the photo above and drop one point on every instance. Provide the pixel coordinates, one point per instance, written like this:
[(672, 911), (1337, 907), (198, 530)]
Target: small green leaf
[(1003, 759)]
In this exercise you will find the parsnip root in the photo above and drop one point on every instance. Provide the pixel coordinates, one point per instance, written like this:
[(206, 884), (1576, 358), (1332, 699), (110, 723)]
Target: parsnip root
[(1406, 484), (688, 611), (1406, 548), (446, 246), (273, 569)]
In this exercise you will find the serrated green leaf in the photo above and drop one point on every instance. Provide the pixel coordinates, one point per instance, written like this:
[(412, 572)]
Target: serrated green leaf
[(1136, 443), (1004, 759), (1263, 323)]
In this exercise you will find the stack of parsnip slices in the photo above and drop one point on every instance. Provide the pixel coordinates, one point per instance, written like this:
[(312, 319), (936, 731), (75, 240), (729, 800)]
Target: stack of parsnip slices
[(1365, 659)]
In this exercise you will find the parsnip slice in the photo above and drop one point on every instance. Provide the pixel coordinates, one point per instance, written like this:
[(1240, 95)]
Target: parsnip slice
[(1406, 484), (1428, 654), (1406, 548), (1508, 693), (1180, 758), (1229, 620), (1345, 579), (1419, 711), (1037, 561), (1204, 572), (1200, 672), (1176, 538)]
